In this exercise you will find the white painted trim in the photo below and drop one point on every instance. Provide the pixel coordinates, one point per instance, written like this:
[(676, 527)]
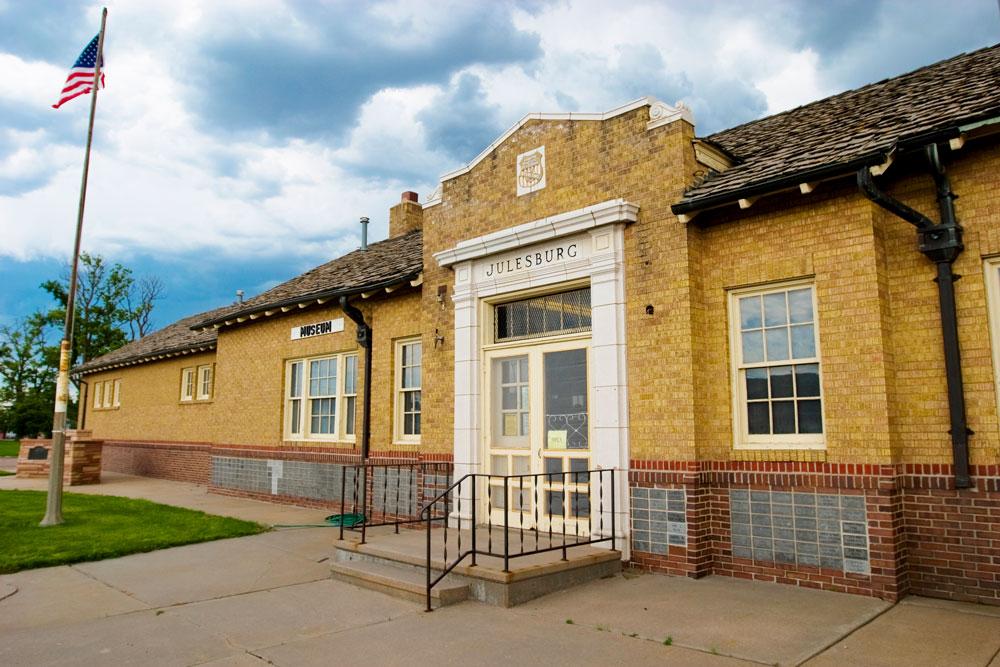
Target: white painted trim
[(589, 217), (604, 268), (991, 267), (660, 114)]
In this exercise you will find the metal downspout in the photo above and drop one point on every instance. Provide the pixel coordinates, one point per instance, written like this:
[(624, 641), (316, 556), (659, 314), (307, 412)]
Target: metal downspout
[(942, 244), (365, 341)]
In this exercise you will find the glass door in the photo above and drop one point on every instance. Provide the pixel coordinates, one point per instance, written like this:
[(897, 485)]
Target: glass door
[(537, 423)]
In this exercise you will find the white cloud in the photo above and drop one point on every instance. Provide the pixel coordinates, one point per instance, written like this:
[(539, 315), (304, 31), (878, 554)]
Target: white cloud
[(163, 182)]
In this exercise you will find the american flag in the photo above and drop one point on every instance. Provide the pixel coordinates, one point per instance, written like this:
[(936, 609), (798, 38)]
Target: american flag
[(81, 78)]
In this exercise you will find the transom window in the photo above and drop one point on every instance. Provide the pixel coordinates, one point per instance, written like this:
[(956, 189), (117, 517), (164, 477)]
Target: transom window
[(409, 355), (565, 312), (107, 394), (778, 399), (320, 397)]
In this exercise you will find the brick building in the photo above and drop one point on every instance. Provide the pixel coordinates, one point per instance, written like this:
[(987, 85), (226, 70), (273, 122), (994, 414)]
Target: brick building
[(762, 330)]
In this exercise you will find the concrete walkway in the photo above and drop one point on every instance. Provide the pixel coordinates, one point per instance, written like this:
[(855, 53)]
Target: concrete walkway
[(268, 599)]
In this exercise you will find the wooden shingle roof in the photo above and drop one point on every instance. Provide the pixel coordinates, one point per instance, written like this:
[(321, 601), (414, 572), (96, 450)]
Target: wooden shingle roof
[(172, 340), (852, 129), (382, 264)]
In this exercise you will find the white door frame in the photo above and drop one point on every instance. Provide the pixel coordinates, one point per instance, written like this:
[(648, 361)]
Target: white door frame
[(597, 235)]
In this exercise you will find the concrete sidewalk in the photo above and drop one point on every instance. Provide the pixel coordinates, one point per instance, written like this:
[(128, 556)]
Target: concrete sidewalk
[(269, 599)]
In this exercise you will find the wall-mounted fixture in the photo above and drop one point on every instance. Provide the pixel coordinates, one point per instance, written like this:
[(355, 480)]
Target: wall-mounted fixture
[(438, 339), (441, 294), (649, 309)]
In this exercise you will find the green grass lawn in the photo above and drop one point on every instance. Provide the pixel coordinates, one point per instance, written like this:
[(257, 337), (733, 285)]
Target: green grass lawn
[(98, 527), (9, 447), (4, 473)]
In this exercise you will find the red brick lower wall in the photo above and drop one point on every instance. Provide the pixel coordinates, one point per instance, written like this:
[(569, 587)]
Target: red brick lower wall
[(181, 462), (953, 535), (923, 535)]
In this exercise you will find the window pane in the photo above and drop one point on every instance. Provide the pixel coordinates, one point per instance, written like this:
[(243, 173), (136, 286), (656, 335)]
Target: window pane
[(566, 417), (810, 419), (784, 416), (523, 369), (351, 375), (350, 406), (323, 411), (496, 497), (803, 342), (524, 424), (750, 312), (807, 380), (296, 416), (753, 347), (499, 465), (777, 344), (508, 371), (579, 505), (543, 315), (554, 501), (416, 424), (509, 398), (775, 312), (295, 385), (800, 305), (553, 465), (522, 465), (756, 383), (758, 418), (781, 382)]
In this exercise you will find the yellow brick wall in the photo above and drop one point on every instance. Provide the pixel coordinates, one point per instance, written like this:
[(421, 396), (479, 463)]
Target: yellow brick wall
[(151, 408), (251, 360), (883, 372), (879, 330), (920, 416), (587, 162)]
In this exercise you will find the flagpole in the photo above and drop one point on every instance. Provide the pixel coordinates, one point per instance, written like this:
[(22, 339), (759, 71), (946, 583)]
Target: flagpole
[(53, 503)]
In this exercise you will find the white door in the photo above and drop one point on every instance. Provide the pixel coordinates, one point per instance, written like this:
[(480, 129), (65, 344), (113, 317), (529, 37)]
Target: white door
[(537, 426)]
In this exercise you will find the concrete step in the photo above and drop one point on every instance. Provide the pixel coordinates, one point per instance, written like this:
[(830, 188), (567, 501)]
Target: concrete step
[(401, 582)]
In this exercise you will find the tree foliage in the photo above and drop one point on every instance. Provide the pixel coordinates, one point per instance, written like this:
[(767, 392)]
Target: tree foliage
[(112, 308), (27, 391)]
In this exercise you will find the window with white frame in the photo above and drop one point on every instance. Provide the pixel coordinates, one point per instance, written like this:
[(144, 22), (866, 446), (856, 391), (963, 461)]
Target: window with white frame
[(776, 367), (107, 394), (320, 397), (188, 383), (408, 380), (204, 383)]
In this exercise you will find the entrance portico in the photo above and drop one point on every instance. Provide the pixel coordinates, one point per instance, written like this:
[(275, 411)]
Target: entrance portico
[(574, 251)]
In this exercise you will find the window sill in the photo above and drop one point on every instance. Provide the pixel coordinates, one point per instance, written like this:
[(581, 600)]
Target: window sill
[(405, 443), (780, 446), (203, 401), (289, 440)]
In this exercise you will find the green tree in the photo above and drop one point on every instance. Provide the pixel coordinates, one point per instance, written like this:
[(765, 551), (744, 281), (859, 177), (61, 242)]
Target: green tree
[(112, 307), (27, 378)]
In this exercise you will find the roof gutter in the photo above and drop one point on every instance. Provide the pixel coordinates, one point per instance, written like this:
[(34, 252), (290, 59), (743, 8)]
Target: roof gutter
[(825, 172), (365, 341), (942, 244)]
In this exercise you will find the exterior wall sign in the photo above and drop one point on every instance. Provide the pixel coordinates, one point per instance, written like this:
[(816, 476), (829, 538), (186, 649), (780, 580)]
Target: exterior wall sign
[(530, 260), (531, 171), (318, 328)]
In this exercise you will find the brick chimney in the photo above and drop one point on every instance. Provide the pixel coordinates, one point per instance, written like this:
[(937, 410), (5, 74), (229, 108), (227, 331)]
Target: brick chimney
[(405, 216)]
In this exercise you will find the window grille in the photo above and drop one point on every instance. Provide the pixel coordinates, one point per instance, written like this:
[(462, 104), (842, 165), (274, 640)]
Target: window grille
[(566, 312)]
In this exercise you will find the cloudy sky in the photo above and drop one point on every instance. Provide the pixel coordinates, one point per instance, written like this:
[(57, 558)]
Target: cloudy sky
[(238, 141)]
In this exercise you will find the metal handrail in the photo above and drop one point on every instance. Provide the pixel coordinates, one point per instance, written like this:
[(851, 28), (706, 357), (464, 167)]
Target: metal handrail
[(395, 510), (569, 483)]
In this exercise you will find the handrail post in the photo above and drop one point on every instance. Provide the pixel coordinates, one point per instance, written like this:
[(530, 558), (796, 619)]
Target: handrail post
[(614, 543), (343, 490), (430, 512), (364, 501), (506, 527), (473, 525)]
